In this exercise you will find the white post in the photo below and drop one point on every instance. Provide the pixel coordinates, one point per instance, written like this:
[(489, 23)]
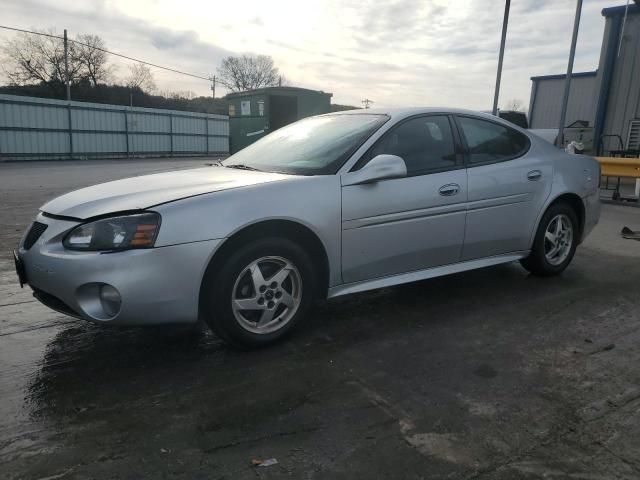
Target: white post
[(567, 81), (503, 39)]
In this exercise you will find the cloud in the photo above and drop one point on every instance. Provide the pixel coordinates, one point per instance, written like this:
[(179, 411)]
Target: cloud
[(447, 53), (397, 52), (179, 49), (165, 39)]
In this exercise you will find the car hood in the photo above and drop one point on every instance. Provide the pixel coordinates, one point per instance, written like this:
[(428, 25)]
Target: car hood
[(145, 191)]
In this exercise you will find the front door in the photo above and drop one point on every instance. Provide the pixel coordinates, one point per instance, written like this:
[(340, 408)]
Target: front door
[(413, 223), (508, 186)]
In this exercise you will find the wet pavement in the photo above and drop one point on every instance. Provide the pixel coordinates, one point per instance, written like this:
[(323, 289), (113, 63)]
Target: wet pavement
[(488, 374)]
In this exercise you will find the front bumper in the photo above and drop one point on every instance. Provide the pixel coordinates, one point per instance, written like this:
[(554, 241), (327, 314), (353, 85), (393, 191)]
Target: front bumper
[(156, 286)]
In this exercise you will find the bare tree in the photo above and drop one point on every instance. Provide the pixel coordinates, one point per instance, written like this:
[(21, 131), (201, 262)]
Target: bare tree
[(33, 58), (90, 53), (140, 76), (182, 95), (178, 94), (38, 59), (248, 72), (515, 105)]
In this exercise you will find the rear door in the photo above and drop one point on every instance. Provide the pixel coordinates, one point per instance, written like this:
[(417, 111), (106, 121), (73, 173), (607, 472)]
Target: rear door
[(508, 186), (412, 223)]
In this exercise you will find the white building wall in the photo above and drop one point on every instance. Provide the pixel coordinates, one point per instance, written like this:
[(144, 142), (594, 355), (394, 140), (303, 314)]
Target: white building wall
[(546, 99)]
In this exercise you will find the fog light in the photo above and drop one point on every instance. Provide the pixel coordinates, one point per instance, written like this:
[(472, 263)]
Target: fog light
[(110, 300)]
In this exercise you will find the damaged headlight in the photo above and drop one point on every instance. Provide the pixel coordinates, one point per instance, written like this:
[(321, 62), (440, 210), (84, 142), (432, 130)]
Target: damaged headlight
[(115, 233)]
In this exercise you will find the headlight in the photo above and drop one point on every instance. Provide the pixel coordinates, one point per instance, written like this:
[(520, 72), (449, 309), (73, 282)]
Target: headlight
[(115, 233)]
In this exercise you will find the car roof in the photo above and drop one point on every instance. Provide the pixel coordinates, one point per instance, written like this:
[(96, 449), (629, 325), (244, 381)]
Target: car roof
[(398, 113)]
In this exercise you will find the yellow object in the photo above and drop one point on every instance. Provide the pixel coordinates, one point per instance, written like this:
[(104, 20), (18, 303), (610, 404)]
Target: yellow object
[(619, 167)]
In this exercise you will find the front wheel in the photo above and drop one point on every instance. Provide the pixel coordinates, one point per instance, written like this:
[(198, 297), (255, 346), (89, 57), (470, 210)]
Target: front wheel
[(260, 293), (555, 242)]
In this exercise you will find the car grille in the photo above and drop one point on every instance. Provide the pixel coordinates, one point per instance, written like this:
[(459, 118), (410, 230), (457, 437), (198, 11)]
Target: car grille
[(33, 235)]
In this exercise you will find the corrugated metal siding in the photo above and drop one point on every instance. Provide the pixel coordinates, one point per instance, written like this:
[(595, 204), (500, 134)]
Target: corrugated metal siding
[(189, 125), (97, 120), (189, 144), (99, 143), (142, 122), (33, 116), (547, 99), (41, 143), (624, 94), (219, 127), (633, 139), (38, 128), (149, 144)]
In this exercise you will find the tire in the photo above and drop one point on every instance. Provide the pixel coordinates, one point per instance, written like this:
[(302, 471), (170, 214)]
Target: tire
[(546, 258), (271, 276)]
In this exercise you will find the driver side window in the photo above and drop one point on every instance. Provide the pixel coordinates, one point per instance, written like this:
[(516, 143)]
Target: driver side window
[(424, 143)]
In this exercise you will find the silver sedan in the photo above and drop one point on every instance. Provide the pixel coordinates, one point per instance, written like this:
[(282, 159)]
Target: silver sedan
[(327, 206)]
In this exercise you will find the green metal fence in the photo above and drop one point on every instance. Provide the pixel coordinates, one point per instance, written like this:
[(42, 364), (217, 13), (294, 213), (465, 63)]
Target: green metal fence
[(36, 128)]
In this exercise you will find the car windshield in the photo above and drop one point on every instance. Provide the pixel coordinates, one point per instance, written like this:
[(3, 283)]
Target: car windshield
[(313, 146)]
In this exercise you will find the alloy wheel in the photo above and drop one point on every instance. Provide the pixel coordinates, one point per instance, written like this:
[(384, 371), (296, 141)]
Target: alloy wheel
[(558, 239), (266, 294)]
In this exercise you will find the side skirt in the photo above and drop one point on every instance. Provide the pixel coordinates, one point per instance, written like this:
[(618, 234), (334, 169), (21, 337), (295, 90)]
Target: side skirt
[(417, 275)]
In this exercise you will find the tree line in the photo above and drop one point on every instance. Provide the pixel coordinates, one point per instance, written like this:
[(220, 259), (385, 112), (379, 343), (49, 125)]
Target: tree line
[(35, 65)]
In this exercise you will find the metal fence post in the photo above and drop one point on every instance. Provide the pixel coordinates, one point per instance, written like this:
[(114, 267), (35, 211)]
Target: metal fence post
[(171, 133), (206, 130), (69, 116), (126, 128)]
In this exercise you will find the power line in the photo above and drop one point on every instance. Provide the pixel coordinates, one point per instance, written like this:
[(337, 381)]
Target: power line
[(208, 79)]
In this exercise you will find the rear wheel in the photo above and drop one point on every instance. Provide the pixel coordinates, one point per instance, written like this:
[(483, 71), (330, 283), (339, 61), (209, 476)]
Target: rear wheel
[(555, 243), (260, 293)]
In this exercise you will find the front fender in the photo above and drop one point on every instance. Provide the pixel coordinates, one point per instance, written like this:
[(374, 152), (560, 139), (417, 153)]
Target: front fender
[(311, 201)]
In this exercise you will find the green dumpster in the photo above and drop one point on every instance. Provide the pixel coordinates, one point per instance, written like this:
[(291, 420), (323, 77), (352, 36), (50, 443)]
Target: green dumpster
[(255, 113)]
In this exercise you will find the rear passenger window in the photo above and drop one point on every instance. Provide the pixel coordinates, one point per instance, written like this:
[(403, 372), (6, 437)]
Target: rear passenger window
[(490, 142), (424, 143)]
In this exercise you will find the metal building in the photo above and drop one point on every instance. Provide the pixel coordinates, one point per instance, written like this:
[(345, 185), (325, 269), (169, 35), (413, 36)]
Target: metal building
[(546, 96), (609, 99), (254, 113)]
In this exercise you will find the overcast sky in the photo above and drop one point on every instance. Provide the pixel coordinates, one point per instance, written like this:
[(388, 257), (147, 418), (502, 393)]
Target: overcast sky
[(397, 53)]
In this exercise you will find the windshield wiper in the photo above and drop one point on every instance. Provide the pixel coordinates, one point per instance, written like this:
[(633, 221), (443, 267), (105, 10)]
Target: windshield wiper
[(241, 166)]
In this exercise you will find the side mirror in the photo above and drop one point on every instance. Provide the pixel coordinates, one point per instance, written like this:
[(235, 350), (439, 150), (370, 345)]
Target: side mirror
[(380, 167)]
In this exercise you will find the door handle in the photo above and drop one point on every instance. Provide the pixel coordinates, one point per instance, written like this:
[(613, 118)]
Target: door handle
[(534, 175), (449, 189)]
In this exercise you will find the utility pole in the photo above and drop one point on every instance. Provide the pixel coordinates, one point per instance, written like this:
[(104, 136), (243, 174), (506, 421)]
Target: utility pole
[(66, 65), (567, 81), (503, 39), (366, 102), (213, 86)]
